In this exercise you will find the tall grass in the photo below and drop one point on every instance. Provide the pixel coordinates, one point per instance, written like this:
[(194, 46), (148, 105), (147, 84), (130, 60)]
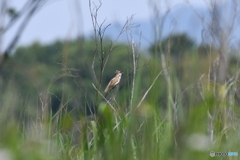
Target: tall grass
[(150, 130), (189, 122)]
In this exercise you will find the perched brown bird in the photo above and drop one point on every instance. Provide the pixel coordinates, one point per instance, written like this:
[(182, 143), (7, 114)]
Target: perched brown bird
[(114, 81)]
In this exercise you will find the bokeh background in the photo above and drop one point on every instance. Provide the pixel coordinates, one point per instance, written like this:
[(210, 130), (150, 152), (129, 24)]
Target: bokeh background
[(178, 97)]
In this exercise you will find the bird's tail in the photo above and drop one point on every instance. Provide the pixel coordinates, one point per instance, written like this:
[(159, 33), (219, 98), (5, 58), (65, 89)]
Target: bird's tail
[(106, 89)]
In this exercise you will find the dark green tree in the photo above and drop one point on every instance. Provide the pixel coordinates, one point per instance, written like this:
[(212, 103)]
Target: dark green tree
[(176, 45)]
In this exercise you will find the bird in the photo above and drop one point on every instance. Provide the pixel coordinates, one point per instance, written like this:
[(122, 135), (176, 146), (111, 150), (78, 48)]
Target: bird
[(114, 81)]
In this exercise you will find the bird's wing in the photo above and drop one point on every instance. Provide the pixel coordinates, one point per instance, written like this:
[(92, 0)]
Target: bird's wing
[(114, 81)]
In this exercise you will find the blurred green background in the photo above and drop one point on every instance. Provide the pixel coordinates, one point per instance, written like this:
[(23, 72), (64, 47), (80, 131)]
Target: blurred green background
[(177, 99)]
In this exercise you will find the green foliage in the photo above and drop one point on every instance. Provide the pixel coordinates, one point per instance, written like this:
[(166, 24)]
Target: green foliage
[(47, 96), (176, 45)]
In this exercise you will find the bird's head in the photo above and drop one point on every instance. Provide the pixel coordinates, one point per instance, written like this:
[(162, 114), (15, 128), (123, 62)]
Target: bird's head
[(118, 73)]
